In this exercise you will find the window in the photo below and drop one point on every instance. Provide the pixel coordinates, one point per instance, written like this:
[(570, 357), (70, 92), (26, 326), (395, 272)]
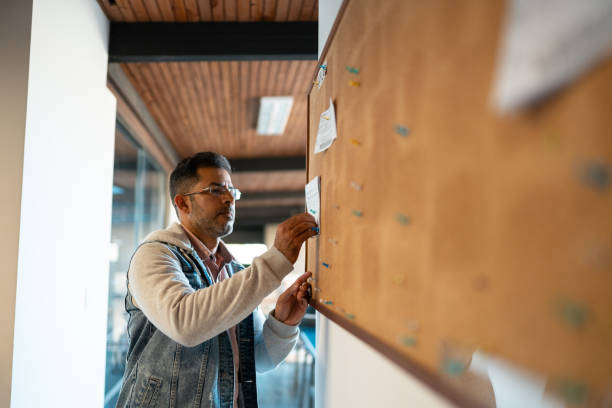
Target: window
[(139, 203)]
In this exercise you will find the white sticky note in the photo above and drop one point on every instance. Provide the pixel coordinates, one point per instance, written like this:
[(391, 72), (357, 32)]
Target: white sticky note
[(321, 75), (326, 134), (313, 198), (546, 44)]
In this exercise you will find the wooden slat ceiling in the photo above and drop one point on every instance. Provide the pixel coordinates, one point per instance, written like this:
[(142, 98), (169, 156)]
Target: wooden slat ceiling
[(212, 105), (210, 10)]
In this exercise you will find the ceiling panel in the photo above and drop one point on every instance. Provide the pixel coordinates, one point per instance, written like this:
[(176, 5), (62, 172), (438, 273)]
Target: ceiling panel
[(270, 180), (213, 105), (210, 10)]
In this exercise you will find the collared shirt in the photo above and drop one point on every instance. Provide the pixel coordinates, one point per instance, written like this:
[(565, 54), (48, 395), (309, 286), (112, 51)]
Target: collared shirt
[(215, 263)]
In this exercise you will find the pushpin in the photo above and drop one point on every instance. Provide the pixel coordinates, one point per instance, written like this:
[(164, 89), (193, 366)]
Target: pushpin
[(402, 219), (312, 211), (398, 279), (357, 213), (356, 186), (352, 70), (408, 341), (354, 83), (574, 314), (325, 264), (325, 117), (328, 302), (350, 316), (573, 392), (315, 229), (596, 175), (356, 142), (453, 367), (324, 67), (401, 130), (315, 82), (412, 325)]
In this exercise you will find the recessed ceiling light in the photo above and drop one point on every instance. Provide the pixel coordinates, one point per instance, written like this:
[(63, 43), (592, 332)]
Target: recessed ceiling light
[(273, 114)]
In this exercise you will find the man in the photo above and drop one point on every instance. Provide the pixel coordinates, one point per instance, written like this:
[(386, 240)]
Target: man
[(196, 334)]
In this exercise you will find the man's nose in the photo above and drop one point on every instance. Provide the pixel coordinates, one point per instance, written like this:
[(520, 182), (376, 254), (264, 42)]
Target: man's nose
[(228, 197)]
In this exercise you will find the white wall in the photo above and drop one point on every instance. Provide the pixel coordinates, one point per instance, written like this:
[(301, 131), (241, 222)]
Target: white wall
[(15, 18), (65, 213), (349, 373)]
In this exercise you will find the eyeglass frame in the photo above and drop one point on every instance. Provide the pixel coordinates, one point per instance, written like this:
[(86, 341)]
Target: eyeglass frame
[(234, 192)]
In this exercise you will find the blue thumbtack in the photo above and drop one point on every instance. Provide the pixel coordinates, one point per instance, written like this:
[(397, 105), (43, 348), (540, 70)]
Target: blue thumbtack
[(325, 264), (597, 176), (401, 130), (315, 229), (324, 67), (312, 211)]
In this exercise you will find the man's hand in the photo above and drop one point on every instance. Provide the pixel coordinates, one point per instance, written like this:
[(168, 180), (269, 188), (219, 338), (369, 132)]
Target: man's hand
[(292, 233), (292, 303)]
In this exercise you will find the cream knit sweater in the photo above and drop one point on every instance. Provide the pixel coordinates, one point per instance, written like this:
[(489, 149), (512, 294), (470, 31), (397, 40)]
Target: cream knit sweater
[(189, 317)]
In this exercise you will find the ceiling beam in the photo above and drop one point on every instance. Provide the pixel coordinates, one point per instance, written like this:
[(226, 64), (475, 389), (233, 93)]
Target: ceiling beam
[(270, 195), (155, 42), (269, 164)]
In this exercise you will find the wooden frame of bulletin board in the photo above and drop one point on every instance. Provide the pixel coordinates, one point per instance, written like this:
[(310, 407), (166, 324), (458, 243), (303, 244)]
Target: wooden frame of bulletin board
[(448, 228)]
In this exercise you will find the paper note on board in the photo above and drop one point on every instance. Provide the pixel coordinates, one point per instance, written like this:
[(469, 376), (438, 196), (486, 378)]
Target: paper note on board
[(326, 134), (547, 43), (321, 75), (313, 198)]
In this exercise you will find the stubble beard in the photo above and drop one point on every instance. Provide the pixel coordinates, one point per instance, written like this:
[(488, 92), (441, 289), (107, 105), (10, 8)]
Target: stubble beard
[(216, 229)]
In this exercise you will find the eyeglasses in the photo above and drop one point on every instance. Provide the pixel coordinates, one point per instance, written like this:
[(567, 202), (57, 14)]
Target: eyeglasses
[(219, 190)]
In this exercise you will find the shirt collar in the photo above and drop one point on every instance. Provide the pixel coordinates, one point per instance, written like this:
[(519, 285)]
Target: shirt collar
[(221, 256)]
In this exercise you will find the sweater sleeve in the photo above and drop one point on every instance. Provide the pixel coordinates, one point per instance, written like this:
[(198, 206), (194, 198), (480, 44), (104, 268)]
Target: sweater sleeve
[(188, 316), (274, 340)]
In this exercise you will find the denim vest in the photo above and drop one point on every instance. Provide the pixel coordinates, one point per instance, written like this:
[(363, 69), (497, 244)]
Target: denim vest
[(163, 373)]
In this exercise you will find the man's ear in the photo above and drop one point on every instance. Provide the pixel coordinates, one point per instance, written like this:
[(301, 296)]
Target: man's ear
[(182, 203)]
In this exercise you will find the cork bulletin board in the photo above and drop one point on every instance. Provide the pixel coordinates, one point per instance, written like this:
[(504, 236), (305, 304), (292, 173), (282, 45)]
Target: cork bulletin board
[(447, 227)]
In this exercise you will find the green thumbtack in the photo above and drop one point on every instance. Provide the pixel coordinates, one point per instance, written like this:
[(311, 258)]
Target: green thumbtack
[(409, 341), (402, 219), (357, 213), (328, 302), (453, 367), (573, 393), (574, 314), (352, 70)]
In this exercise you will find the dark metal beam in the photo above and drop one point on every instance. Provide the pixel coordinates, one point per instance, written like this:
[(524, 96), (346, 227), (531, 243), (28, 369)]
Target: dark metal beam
[(268, 195), (269, 164), (148, 42)]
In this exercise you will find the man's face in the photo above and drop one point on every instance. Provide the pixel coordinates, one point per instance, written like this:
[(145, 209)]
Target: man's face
[(212, 215)]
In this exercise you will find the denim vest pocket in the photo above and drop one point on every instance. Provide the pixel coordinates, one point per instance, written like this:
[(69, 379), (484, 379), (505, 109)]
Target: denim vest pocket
[(147, 397)]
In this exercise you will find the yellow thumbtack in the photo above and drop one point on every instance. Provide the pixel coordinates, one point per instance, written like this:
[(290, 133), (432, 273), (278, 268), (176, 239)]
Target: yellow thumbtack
[(356, 142), (398, 279), (354, 83), (325, 117)]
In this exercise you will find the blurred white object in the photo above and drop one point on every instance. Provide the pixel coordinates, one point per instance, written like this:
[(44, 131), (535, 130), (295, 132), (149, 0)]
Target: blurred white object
[(547, 43)]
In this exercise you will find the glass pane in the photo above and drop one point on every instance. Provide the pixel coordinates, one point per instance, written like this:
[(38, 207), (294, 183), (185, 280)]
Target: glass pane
[(138, 209)]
